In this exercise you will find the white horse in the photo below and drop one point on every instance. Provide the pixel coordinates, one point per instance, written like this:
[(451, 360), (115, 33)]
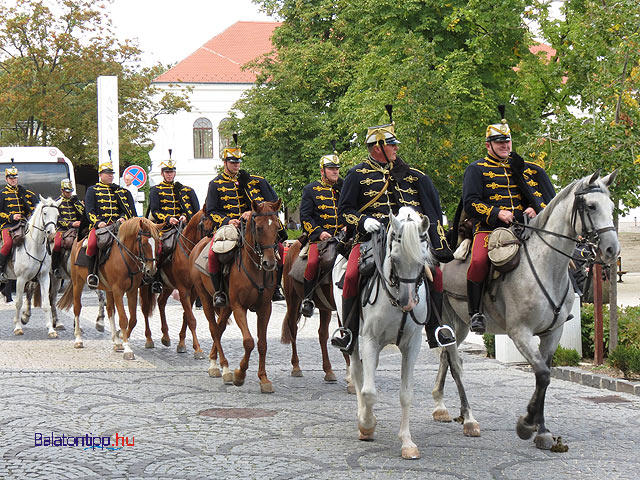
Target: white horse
[(32, 261), (394, 313), (535, 299)]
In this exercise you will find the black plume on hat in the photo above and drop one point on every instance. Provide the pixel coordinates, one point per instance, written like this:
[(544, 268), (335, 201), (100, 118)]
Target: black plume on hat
[(235, 138), (501, 110), (390, 112)]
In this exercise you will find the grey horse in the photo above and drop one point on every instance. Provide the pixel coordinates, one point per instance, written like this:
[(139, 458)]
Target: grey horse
[(535, 299)]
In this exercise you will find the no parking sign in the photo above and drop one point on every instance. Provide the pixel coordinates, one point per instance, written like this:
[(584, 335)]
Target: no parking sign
[(138, 173)]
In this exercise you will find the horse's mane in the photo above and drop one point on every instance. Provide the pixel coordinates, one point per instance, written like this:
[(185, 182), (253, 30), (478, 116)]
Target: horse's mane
[(410, 245), (541, 219), (135, 224), (38, 210)]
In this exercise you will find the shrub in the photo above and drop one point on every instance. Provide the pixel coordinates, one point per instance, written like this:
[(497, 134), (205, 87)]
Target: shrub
[(490, 344), (566, 357), (293, 234), (628, 327), (625, 358)]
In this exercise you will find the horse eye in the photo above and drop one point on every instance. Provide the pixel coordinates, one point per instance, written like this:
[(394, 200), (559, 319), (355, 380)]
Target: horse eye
[(592, 207)]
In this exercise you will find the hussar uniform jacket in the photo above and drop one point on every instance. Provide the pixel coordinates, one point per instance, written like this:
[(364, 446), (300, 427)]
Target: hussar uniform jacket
[(229, 197), (14, 200), (491, 185), (401, 186), (108, 202), (168, 200), (71, 210), (319, 209)]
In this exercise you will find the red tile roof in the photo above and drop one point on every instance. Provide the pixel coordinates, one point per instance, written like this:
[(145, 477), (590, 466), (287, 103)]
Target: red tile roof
[(220, 60)]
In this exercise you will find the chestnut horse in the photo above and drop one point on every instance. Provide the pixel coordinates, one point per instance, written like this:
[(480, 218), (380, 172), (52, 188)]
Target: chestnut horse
[(176, 276), (252, 280), (133, 256), (324, 302)]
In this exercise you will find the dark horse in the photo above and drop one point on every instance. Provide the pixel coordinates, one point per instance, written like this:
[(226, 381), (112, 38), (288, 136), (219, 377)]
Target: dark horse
[(252, 280), (175, 275), (323, 299)]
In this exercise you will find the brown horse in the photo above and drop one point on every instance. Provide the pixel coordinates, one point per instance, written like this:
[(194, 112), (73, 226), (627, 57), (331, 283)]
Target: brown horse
[(176, 276), (252, 280), (323, 299), (133, 255)]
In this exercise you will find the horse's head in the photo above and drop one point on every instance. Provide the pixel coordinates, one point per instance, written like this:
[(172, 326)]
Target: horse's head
[(47, 212), (593, 215), (409, 254), (263, 230), (140, 235)]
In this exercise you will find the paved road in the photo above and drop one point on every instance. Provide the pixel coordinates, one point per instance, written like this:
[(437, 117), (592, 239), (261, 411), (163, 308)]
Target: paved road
[(306, 429)]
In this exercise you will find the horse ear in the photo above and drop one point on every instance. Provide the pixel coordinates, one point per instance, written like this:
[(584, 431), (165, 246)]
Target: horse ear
[(609, 179), (395, 223), (278, 204), (595, 176), (254, 205), (41, 198), (426, 223)]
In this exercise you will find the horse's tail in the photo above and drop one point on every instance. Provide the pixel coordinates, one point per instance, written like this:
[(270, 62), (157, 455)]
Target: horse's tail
[(66, 300), (285, 334), (37, 296), (147, 301)]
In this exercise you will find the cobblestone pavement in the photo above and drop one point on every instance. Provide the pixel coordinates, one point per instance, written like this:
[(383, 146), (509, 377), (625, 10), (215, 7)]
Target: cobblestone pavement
[(306, 429)]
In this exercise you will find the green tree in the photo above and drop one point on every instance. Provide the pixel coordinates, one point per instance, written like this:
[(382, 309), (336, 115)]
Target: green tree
[(336, 63), (51, 54)]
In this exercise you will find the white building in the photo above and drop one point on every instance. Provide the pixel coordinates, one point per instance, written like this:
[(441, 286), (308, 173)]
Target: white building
[(214, 72)]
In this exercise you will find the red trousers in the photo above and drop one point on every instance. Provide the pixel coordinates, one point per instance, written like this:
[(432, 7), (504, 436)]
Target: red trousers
[(57, 242), (479, 267), (92, 243), (313, 260), (8, 242)]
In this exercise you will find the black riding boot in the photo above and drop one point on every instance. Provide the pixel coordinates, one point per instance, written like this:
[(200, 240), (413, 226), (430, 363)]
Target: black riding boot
[(3, 264), (474, 298), (277, 293), (56, 257), (438, 335), (350, 326), (307, 302), (219, 297), (92, 278)]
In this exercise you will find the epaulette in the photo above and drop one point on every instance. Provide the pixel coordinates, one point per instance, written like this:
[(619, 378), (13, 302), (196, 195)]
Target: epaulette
[(257, 176), (417, 171), (535, 163)]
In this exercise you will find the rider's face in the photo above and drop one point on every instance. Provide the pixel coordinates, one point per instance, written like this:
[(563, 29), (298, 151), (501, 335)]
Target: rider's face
[(169, 175), (231, 168), (66, 193), (106, 177), (499, 149), (13, 181), (330, 174)]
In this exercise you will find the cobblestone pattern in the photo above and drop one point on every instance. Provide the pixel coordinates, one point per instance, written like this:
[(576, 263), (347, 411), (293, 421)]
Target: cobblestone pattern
[(47, 386)]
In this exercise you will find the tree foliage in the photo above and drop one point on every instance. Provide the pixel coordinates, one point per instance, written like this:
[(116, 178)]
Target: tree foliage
[(51, 54), (336, 63)]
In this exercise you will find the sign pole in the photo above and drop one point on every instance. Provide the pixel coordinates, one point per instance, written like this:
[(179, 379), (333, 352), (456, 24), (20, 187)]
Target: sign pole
[(598, 324)]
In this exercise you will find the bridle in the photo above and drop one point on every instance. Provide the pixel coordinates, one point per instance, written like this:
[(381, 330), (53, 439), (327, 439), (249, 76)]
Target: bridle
[(257, 248), (140, 259)]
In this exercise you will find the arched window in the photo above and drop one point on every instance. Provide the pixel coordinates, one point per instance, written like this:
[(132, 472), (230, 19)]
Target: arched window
[(202, 138), (225, 133)]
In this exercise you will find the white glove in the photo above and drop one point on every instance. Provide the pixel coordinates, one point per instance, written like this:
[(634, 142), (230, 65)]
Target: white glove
[(371, 225)]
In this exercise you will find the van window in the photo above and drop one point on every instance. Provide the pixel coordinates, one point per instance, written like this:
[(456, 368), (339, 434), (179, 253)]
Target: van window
[(41, 178)]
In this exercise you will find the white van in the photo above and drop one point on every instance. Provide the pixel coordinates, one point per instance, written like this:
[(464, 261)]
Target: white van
[(40, 168)]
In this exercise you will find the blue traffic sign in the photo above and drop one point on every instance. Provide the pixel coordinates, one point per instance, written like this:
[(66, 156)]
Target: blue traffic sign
[(139, 175)]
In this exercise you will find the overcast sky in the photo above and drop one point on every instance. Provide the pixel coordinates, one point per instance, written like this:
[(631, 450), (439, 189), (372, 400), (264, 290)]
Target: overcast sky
[(169, 30)]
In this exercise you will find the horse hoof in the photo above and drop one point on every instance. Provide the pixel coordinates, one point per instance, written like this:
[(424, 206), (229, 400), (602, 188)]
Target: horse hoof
[(524, 430), (128, 356), (410, 453), (351, 389), (441, 415), (330, 377), (181, 349), (296, 372), (118, 348), (78, 345), (24, 320), (60, 327), (199, 355), (53, 335), (166, 342), (366, 434), (266, 387), (149, 344), (544, 441), (238, 382), (100, 327), (227, 378), (18, 332), (214, 372), (471, 429)]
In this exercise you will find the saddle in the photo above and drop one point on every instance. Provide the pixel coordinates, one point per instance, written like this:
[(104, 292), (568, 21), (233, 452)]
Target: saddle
[(105, 237), (68, 237), (225, 242), (327, 252), (169, 241)]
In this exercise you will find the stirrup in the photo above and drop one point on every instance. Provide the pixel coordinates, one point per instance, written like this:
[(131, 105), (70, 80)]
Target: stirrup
[(3, 277), (220, 299), (307, 307), (339, 342), (92, 281), (157, 287), (445, 329), (477, 324)]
